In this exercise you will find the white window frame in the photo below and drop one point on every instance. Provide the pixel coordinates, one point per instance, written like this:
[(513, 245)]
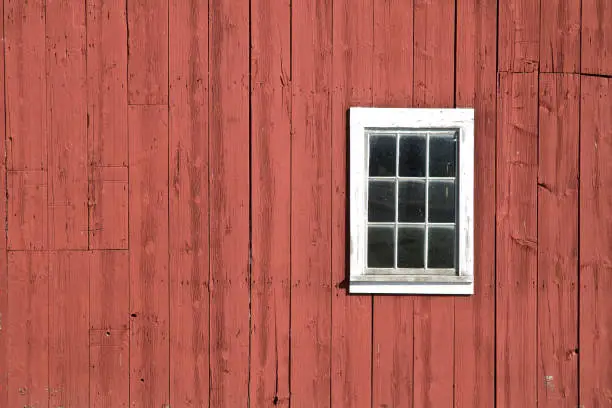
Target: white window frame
[(400, 281)]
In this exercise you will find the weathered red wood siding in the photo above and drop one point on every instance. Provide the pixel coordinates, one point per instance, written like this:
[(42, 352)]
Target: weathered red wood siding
[(175, 200)]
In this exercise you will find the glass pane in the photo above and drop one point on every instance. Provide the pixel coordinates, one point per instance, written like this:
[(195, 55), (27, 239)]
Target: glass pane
[(441, 201), (412, 156), (442, 156), (411, 201), (410, 247), (441, 250), (382, 156), (381, 205), (380, 247)]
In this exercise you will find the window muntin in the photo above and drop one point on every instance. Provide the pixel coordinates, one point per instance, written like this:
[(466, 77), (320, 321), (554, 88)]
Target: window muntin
[(411, 200), (411, 190)]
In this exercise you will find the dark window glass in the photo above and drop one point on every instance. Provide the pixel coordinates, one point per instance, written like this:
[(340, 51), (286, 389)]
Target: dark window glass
[(381, 201), (442, 156), (382, 156), (410, 247), (441, 247), (412, 156), (411, 201), (380, 247), (441, 201)]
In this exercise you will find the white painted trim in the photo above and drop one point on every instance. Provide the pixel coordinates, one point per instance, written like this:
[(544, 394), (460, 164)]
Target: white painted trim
[(399, 280)]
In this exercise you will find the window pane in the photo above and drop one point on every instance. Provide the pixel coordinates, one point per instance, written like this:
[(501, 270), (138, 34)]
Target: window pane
[(381, 197), (412, 156), (441, 201), (441, 253), (412, 201), (382, 156), (380, 247), (442, 156), (410, 247)]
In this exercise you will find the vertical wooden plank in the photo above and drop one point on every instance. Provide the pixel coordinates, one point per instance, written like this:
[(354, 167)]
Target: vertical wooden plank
[(311, 186), (558, 241), (109, 382), (3, 236), (108, 207), (27, 323), (596, 37), (4, 335), (109, 290), (434, 76), (67, 116), (27, 210), (229, 202), (351, 358), (149, 345), (68, 328), (434, 53), (147, 52), (476, 83), (26, 103), (271, 202), (189, 207), (392, 316), (392, 59), (26, 124), (517, 155), (518, 35), (560, 36), (595, 242), (107, 138)]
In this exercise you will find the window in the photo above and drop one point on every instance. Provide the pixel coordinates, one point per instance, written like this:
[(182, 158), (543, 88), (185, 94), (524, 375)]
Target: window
[(411, 200)]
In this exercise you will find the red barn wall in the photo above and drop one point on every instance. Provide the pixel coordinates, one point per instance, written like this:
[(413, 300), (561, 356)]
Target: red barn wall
[(175, 178)]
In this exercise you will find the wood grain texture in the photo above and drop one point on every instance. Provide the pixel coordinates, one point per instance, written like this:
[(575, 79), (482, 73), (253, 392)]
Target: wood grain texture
[(595, 242), (351, 358), (27, 219), (229, 202), (149, 304), (109, 382), (4, 373), (27, 325), (26, 123), (189, 205), (270, 202), (311, 187), (147, 25), (67, 118), (107, 138), (518, 36), (68, 328), (476, 83), (596, 51), (107, 127), (108, 207), (517, 247), (559, 130), (26, 102), (392, 60), (434, 52), (560, 36), (392, 321), (109, 290)]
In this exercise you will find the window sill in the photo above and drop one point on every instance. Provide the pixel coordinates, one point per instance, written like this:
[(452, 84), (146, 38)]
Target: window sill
[(412, 284)]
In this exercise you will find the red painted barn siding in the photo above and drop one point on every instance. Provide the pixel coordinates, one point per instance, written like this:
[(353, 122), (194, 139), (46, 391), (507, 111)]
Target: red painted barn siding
[(175, 192)]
